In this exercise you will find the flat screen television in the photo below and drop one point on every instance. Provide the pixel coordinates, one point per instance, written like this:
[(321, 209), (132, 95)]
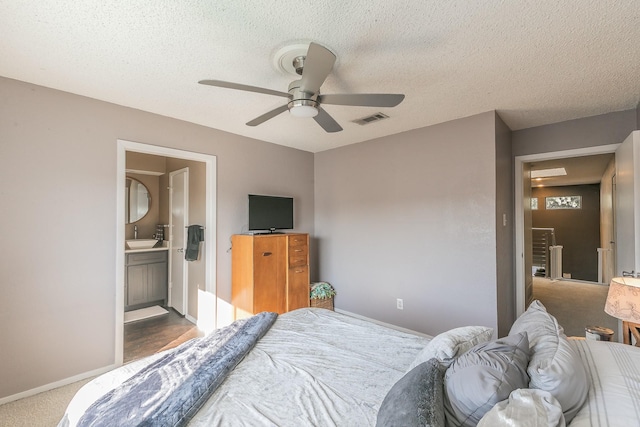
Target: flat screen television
[(270, 213)]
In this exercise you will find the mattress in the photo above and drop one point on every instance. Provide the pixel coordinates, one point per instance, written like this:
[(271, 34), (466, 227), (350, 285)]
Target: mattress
[(313, 367)]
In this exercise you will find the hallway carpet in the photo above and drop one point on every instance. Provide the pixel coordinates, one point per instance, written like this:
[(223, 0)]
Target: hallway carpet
[(576, 305)]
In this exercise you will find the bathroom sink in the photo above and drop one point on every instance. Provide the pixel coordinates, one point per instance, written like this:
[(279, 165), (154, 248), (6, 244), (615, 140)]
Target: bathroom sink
[(141, 243)]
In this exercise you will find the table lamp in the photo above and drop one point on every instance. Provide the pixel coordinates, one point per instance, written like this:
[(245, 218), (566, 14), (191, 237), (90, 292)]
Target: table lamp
[(623, 302)]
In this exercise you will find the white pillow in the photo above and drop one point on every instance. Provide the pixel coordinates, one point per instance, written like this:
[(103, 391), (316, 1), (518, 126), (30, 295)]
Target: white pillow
[(450, 344), (525, 408), (554, 366)]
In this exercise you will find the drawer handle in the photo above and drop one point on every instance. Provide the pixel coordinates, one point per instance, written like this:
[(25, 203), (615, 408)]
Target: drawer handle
[(266, 253), (299, 271), (298, 250)]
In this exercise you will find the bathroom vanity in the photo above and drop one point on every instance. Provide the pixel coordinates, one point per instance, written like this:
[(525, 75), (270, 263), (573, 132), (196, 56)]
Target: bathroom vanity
[(146, 280)]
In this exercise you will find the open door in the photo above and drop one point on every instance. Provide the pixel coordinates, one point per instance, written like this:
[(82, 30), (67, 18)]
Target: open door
[(178, 220), (627, 205), (528, 234)]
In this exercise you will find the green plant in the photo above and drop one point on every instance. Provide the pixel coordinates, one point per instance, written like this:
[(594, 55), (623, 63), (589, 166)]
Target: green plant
[(322, 290)]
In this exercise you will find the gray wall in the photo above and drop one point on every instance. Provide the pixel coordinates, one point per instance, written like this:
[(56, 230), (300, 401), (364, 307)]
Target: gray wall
[(505, 293), (58, 210), (593, 131), (412, 216)]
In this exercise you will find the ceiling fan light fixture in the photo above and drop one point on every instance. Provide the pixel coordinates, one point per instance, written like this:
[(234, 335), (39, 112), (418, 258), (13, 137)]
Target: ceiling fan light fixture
[(303, 108), (313, 62)]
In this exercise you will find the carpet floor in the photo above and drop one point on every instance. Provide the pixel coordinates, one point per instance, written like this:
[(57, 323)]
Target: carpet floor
[(576, 305), (41, 410)]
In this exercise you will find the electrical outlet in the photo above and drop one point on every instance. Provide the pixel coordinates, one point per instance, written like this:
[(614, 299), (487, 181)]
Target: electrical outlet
[(399, 304)]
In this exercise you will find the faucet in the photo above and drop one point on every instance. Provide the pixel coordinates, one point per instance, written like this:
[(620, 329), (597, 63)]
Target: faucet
[(135, 232)]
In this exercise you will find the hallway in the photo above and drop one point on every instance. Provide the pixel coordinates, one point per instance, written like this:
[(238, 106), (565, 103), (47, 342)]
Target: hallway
[(576, 305)]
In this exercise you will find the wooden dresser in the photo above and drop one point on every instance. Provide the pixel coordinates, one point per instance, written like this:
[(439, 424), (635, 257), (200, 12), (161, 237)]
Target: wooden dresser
[(269, 272)]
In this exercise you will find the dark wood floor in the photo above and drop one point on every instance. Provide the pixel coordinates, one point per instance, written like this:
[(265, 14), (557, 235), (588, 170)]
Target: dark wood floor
[(146, 337)]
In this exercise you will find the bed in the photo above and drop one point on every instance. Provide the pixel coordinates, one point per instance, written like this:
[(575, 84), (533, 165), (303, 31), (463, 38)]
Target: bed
[(315, 367)]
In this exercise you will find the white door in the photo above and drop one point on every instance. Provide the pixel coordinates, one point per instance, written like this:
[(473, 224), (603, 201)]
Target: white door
[(178, 220), (627, 205), (528, 234)]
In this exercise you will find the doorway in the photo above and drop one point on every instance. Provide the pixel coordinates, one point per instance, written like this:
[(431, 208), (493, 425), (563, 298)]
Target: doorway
[(204, 283), (524, 267), (572, 218)]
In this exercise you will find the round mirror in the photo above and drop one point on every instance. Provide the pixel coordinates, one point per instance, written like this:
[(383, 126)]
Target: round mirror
[(137, 201)]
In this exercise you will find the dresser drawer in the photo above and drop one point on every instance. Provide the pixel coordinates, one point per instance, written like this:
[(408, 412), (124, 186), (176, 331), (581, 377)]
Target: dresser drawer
[(298, 251), (297, 261), (297, 240)]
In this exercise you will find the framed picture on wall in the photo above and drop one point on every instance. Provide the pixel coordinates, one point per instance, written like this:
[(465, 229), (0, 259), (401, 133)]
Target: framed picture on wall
[(563, 202)]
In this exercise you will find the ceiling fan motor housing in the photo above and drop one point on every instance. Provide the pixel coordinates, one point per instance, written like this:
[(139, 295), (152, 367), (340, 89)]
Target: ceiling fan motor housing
[(300, 98)]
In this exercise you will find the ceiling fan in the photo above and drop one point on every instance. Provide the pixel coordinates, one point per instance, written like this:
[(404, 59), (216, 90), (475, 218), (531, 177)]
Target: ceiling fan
[(304, 95)]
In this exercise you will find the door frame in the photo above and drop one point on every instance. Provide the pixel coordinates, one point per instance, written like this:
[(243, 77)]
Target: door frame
[(518, 208), (185, 267), (210, 161)]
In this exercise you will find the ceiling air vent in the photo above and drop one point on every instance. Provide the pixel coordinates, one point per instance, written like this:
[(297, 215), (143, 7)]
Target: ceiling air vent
[(370, 119)]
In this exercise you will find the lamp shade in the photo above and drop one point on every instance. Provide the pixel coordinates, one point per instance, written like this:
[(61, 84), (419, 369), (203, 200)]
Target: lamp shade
[(623, 300)]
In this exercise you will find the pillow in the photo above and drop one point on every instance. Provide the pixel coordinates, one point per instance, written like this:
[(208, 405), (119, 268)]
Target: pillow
[(448, 345), (416, 399), (555, 366), (484, 376), (525, 408)]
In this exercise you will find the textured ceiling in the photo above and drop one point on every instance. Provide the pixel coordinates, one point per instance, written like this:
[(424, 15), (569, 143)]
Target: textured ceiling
[(580, 170), (534, 62)]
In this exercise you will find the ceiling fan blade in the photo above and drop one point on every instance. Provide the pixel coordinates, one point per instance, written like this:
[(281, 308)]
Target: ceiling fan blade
[(326, 121), (317, 66), (238, 86), (363, 99), (266, 116)]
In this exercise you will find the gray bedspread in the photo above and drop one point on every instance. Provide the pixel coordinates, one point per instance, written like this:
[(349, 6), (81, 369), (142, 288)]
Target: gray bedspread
[(170, 390)]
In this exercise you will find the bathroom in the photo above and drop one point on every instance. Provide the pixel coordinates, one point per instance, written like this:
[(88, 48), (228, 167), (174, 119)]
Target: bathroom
[(154, 172)]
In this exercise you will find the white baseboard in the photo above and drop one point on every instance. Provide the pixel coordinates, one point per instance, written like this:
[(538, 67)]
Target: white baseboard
[(378, 322), (56, 384)]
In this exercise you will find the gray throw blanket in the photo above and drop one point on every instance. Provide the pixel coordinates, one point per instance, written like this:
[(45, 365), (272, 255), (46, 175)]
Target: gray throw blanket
[(170, 390)]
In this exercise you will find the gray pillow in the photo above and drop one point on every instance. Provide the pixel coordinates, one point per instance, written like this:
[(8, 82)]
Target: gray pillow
[(450, 344), (555, 366), (484, 376), (416, 399)]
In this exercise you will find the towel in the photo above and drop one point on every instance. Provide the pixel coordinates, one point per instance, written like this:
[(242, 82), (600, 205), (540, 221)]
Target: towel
[(195, 235)]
